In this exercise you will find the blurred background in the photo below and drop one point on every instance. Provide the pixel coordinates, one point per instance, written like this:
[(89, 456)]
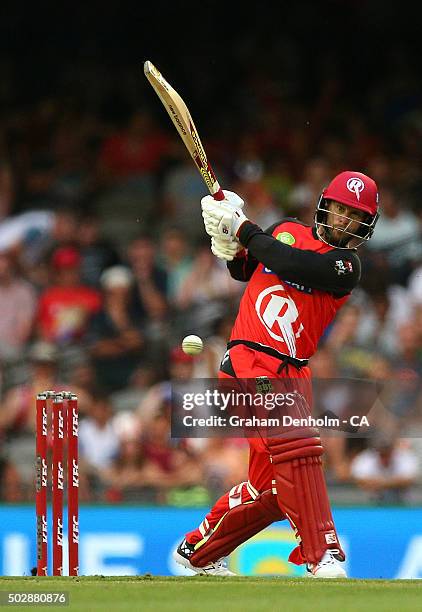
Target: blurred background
[(104, 265)]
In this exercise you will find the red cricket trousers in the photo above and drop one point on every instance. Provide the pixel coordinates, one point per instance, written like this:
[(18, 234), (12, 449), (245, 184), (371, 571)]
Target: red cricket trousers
[(248, 363)]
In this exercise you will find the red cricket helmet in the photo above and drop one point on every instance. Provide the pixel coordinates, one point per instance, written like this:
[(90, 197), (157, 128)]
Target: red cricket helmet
[(358, 191)]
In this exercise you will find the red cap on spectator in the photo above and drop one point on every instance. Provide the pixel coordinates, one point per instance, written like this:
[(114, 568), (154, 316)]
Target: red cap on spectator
[(178, 356), (66, 257)]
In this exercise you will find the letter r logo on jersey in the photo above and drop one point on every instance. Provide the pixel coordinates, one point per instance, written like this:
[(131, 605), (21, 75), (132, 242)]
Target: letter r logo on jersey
[(278, 313)]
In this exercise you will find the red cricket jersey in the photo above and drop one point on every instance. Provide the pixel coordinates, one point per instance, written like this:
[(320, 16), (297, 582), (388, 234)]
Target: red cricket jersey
[(286, 316), (63, 312)]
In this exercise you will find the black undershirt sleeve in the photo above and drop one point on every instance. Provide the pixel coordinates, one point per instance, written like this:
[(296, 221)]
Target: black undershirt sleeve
[(241, 268), (337, 271)]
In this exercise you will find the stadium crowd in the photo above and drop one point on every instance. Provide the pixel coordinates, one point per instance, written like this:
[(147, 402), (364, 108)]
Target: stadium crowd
[(105, 267)]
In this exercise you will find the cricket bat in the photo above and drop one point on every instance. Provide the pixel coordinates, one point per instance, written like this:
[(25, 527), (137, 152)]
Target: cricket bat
[(184, 124)]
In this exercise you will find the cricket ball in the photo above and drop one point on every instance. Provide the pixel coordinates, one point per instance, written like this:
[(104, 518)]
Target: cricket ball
[(192, 345)]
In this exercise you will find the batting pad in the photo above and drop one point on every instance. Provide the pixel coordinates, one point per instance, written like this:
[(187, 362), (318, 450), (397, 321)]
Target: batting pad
[(302, 496), (235, 527)]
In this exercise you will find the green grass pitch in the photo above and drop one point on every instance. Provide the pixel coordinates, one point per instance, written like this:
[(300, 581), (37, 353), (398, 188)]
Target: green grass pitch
[(210, 594)]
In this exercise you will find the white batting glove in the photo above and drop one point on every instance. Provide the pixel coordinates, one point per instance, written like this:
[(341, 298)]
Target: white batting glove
[(230, 198), (223, 219), (225, 249)]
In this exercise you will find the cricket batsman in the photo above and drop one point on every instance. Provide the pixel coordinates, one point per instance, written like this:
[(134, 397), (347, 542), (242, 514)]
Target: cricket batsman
[(298, 277)]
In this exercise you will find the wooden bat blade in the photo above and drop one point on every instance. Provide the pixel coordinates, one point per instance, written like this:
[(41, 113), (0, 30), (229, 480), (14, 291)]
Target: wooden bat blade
[(180, 115)]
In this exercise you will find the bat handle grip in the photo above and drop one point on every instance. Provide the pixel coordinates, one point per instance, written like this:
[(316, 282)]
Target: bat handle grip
[(218, 195)]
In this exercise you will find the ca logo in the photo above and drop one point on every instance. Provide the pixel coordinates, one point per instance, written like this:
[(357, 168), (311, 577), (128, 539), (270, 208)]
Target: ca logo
[(355, 185), (278, 313)]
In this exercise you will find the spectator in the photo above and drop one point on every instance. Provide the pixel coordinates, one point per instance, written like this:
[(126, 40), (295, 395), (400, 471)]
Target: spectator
[(150, 296), (31, 235), (98, 441), (387, 470), (415, 285), (136, 150), (250, 184), (66, 307), (396, 237), (18, 303), (380, 316), (279, 182), (81, 375), (305, 194), (259, 202), (17, 412), (149, 465), (352, 359), (175, 259), (17, 408), (141, 380), (38, 188), (130, 476), (182, 189), (159, 394), (224, 463), (115, 337), (207, 364), (405, 389), (333, 395), (96, 252), (177, 465), (204, 293), (150, 285)]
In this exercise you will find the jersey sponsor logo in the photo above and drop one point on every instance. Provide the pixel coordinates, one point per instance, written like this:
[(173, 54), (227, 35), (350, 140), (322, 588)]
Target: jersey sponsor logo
[(355, 185), (286, 238), (301, 288), (263, 385), (343, 267), (278, 313)]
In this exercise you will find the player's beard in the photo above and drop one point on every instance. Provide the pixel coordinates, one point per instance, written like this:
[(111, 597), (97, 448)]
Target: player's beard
[(340, 241)]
